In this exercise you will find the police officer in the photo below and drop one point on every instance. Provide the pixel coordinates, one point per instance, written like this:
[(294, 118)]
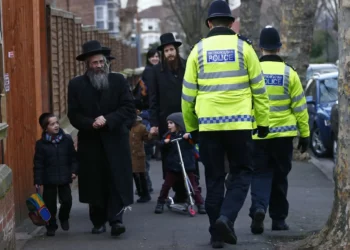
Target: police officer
[(273, 154), (223, 77)]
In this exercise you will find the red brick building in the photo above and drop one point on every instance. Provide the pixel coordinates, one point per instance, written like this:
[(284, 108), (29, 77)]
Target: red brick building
[(82, 8)]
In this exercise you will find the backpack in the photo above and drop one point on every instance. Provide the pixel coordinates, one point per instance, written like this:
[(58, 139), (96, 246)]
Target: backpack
[(38, 212)]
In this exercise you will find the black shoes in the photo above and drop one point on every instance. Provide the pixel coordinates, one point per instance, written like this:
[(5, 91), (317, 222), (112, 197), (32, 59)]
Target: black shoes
[(225, 228), (51, 230), (99, 230), (215, 243), (144, 199), (201, 209), (65, 225), (117, 229), (279, 226), (159, 208), (257, 226)]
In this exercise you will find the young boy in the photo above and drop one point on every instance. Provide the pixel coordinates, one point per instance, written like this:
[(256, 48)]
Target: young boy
[(55, 166), (174, 170)]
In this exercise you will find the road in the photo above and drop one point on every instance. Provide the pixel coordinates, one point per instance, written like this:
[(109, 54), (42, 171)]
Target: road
[(310, 196)]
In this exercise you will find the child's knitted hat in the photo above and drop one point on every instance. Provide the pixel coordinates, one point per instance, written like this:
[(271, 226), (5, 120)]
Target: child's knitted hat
[(178, 119)]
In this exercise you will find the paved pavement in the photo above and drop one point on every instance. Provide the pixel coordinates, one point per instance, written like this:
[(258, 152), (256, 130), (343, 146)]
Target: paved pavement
[(310, 196)]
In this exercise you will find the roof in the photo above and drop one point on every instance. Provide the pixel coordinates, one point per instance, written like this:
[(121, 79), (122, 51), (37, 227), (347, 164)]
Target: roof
[(152, 12)]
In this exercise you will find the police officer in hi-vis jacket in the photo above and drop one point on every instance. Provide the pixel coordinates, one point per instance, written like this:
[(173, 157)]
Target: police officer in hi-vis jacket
[(223, 78), (273, 154)]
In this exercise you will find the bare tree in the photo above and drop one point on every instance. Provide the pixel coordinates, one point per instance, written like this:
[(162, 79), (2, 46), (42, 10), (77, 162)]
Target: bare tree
[(336, 233), (250, 20), (297, 27), (191, 15)]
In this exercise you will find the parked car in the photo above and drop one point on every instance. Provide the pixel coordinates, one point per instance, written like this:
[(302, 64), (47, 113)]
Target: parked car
[(321, 94), (334, 129), (323, 68)]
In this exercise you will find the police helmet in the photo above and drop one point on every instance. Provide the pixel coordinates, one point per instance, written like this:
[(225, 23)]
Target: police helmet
[(270, 39), (217, 9)]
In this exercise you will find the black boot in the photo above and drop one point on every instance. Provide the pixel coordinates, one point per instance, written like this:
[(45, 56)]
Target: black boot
[(257, 226), (137, 183), (98, 230), (117, 229), (159, 208), (279, 226), (225, 228), (201, 209), (145, 196), (51, 229)]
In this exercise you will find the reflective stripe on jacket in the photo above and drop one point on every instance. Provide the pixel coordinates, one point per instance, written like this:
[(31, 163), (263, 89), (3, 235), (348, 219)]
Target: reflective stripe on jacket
[(288, 109), (223, 75)]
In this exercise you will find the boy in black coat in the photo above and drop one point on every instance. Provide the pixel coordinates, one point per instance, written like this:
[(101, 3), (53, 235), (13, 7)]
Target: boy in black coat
[(55, 166), (173, 162)]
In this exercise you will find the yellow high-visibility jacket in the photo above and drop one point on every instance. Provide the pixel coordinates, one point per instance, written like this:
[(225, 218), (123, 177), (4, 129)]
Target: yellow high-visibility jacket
[(223, 76), (288, 109)]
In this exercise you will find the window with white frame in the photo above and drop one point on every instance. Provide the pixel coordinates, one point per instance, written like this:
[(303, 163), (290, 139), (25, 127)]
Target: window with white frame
[(99, 12)]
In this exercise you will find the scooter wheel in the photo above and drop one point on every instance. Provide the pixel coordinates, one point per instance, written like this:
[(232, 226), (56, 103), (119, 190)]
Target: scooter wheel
[(191, 211)]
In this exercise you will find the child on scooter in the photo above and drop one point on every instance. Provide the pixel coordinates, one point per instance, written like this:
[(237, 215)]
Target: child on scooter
[(173, 162)]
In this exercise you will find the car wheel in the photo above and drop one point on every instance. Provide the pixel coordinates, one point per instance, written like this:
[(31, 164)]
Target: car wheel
[(335, 150), (317, 146)]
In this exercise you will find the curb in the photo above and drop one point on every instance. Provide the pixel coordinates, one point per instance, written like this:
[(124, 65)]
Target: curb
[(326, 166)]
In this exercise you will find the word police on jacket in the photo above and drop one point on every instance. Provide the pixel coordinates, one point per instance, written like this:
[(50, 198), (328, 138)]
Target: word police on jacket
[(217, 56)]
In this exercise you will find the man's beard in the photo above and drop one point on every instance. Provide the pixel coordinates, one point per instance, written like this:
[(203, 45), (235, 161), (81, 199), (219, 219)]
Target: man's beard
[(99, 80), (173, 63)]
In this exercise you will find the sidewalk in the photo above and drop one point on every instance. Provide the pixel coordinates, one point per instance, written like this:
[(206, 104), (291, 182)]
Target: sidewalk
[(310, 196)]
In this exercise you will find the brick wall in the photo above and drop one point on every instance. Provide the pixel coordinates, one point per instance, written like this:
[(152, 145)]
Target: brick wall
[(82, 8), (7, 210), (65, 38)]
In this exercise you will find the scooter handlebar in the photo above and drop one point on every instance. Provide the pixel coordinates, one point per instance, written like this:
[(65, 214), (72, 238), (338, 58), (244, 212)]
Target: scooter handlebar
[(177, 139)]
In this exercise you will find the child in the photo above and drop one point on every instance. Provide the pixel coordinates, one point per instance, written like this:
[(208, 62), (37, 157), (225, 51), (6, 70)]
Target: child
[(138, 135), (55, 166), (173, 163)]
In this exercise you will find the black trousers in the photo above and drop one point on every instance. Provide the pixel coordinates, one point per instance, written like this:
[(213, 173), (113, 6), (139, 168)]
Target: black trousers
[(272, 164), (238, 147), (65, 199), (111, 209)]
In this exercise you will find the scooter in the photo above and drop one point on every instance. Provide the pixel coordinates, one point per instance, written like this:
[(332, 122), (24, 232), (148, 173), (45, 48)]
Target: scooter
[(189, 205)]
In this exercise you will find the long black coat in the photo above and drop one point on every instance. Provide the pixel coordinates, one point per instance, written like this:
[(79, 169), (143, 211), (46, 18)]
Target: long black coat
[(165, 91), (103, 154)]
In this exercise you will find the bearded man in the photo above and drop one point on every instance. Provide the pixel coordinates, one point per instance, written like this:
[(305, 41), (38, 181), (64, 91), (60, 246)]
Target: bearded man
[(165, 90), (100, 106)]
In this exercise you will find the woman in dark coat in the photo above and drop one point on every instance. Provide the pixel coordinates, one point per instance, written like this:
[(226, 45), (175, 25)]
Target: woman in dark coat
[(101, 113), (140, 94)]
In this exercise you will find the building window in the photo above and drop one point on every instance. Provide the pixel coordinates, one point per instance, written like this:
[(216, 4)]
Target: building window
[(100, 24), (111, 14), (99, 12), (111, 26)]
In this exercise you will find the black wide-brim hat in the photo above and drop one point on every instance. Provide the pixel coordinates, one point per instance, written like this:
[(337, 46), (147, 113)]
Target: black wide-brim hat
[(217, 9), (108, 57), (92, 48), (166, 39)]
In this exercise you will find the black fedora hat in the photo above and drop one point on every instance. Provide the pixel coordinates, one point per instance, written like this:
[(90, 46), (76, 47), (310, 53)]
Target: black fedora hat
[(108, 57), (166, 39), (91, 48)]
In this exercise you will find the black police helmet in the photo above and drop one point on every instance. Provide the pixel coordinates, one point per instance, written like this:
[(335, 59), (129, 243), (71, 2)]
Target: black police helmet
[(217, 9), (270, 39)]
